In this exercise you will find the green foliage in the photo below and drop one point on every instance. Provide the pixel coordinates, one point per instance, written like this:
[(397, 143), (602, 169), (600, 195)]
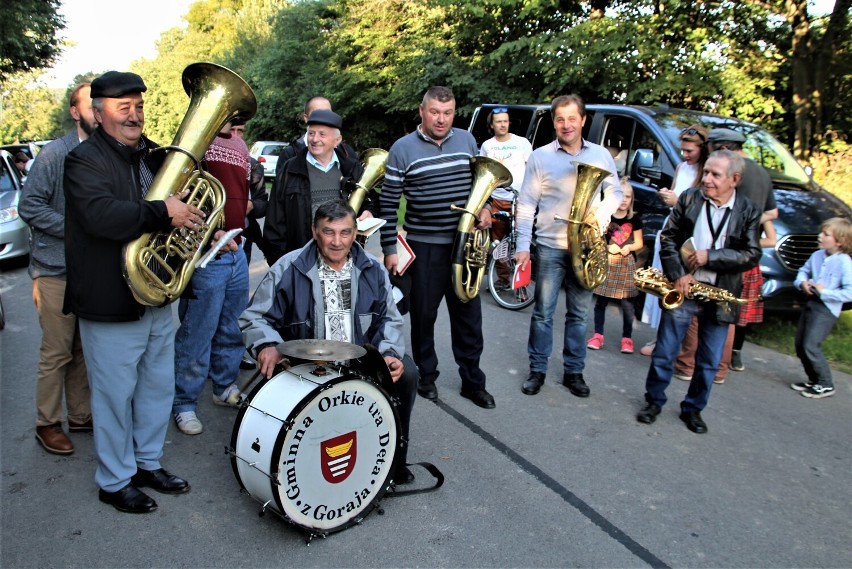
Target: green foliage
[(26, 109), (28, 30)]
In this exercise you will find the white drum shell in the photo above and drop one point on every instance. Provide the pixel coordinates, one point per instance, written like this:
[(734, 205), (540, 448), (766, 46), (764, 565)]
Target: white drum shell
[(280, 442)]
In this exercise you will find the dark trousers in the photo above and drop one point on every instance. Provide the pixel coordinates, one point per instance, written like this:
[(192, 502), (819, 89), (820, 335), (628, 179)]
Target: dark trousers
[(815, 324), (431, 282), (405, 390), (628, 313)]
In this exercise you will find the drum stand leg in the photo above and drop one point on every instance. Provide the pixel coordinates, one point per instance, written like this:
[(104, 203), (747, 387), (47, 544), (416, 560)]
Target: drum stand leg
[(262, 511)]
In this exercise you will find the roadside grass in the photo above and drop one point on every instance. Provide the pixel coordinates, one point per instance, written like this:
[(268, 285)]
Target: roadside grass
[(780, 334)]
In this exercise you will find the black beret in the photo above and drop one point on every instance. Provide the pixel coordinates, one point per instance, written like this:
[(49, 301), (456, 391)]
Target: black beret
[(725, 135), (326, 117), (113, 84)]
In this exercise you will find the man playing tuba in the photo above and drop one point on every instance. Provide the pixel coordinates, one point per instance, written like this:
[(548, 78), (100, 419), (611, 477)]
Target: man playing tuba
[(549, 188), (431, 167)]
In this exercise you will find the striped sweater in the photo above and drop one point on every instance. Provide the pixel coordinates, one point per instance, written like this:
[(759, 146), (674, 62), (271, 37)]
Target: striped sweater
[(431, 177)]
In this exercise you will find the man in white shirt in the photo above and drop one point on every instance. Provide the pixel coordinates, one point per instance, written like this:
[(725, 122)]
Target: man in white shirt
[(512, 151)]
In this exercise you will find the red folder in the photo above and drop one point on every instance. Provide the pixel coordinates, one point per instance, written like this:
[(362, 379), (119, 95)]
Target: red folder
[(405, 256), (522, 278)]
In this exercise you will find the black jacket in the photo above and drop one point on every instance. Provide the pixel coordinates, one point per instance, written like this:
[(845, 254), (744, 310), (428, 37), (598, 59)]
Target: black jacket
[(288, 217), (103, 212), (740, 253)]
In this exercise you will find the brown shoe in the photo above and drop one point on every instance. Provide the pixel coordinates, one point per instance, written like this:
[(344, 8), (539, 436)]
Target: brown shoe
[(84, 427), (54, 439)]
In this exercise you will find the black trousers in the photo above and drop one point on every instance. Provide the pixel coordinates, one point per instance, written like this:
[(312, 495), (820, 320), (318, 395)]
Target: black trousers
[(432, 282)]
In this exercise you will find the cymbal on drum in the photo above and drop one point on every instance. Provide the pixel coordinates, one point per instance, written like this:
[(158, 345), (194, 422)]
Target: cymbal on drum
[(320, 350)]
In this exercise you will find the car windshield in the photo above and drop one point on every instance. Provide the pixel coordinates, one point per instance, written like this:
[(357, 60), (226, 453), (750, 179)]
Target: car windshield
[(760, 145)]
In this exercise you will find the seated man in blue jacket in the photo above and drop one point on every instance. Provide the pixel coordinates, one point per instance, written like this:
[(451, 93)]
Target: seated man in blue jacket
[(334, 290)]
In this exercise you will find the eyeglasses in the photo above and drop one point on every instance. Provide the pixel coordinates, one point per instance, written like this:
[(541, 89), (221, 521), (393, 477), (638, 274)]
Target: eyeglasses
[(693, 132)]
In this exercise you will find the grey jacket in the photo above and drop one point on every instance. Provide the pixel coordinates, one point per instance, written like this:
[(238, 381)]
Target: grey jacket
[(42, 206)]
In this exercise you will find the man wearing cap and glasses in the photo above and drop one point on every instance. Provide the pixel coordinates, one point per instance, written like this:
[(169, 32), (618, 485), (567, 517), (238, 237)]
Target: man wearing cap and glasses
[(318, 174), (512, 151), (129, 348)]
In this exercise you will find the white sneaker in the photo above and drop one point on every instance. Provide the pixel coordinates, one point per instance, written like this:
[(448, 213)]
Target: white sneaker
[(188, 423), (682, 377), (231, 397)]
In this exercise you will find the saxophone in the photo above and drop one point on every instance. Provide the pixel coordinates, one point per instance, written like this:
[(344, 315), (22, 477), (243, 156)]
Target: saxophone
[(588, 249), (652, 281), (158, 266), (471, 245)]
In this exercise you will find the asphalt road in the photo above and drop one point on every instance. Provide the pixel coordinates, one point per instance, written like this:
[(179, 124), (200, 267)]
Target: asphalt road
[(543, 481)]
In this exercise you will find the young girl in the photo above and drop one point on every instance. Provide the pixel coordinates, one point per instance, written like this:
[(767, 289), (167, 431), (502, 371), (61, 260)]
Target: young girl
[(623, 236), (826, 278)]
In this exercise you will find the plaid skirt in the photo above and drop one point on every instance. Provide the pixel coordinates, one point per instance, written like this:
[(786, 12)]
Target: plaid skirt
[(619, 281), (751, 313)]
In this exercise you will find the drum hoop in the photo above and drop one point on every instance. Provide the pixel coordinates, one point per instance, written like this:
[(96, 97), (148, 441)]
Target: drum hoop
[(287, 425)]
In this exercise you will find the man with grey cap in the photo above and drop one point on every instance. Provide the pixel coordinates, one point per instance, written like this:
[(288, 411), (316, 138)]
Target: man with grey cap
[(319, 173), (129, 348)]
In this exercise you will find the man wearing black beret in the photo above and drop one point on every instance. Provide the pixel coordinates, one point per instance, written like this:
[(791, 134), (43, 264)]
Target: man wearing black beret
[(319, 173), (129, 348)]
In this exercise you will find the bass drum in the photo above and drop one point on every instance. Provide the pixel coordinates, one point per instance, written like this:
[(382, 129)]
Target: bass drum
[(318, 450)]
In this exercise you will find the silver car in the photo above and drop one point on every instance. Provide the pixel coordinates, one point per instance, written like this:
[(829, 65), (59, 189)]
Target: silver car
[(14, 233), (266, 152)]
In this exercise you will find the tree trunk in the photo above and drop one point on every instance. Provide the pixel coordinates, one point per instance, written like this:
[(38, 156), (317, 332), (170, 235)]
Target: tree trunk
[(802, 66), (823, 61)]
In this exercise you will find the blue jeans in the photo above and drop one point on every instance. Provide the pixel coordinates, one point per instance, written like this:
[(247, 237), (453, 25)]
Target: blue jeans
[(209, 342), (554, 270), (711, 341), (131, 374), (815, 323)]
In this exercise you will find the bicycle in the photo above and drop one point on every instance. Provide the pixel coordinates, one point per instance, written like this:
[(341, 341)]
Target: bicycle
[(504, 252)]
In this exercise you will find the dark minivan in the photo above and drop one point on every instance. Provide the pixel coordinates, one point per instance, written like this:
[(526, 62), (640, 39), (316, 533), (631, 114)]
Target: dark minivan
[(646, 140)]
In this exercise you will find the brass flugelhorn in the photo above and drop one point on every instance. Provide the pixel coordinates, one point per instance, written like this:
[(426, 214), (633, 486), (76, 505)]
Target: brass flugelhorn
[(158, 266), (471, 245), (651, 280)]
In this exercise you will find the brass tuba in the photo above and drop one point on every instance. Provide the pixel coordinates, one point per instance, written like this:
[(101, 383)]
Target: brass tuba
[(471, 245), (157, 266), (588, 249), (374, 160), (652, 281)]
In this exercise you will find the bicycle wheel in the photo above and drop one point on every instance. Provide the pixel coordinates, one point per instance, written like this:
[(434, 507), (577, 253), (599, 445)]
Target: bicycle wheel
[(502, 292)]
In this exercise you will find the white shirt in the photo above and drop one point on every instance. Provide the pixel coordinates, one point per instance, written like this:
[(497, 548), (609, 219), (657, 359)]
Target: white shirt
[(703, 236), (513, 154)]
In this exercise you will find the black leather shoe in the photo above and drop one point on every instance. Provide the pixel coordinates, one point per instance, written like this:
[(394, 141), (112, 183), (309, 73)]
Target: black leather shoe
[(129, 500), (428, 390), (694, 422), (403, 476), (479, 397), (575, 384), (649, 413), (533, 383), (160, 480)]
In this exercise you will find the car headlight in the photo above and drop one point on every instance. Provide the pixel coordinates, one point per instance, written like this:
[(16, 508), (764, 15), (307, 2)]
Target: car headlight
[(8, 214)]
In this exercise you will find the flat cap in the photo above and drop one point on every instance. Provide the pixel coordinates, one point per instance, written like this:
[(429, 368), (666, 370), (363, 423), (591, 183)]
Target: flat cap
[(326, 117), (113, 84), (725, 135)]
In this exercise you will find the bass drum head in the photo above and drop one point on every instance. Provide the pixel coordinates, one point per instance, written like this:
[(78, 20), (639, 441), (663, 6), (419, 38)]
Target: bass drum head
[(334, 457)]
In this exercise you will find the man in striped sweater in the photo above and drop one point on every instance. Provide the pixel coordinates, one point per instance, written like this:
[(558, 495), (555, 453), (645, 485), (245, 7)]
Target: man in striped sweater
[(431, 168)]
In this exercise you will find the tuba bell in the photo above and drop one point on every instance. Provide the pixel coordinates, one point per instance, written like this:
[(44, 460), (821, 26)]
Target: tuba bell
[(471, 245), (588, 250), (158, 266), (373, 160)]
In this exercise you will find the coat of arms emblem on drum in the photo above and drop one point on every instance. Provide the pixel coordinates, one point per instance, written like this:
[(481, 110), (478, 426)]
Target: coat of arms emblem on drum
[(338, 457)]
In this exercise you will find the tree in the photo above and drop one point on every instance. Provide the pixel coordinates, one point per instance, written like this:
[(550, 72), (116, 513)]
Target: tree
[(28, 30), (26, 112)]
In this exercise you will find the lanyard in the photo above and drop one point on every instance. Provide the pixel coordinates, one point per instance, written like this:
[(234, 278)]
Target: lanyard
[(715, 232)]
